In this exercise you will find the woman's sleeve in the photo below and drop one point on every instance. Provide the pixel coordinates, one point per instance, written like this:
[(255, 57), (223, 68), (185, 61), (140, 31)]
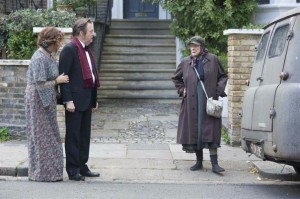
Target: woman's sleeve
[(45, 88), (177, 79)]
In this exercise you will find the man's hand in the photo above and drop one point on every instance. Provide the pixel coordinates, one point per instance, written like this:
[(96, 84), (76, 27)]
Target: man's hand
[(70, 106), (95, 108)]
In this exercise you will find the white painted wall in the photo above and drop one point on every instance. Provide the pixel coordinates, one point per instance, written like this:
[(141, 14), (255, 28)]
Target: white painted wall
[(266, 13), (49, 3), (117, 9), (163, 14)]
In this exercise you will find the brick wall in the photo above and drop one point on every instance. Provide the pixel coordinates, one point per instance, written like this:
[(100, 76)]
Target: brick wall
[(12, 86), (241, 54), (12, 89)]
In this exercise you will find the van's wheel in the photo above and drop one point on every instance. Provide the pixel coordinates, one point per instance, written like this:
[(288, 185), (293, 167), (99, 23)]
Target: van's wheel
[(297, 169)]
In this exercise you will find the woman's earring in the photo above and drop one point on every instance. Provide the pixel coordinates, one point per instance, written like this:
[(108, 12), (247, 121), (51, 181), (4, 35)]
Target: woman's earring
[(44, 44)]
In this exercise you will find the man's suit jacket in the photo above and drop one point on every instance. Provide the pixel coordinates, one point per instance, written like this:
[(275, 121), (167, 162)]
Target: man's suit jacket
[(75, 91)]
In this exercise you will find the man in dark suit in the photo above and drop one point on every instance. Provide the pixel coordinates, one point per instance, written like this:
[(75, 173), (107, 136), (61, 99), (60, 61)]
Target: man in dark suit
[(79, 97)]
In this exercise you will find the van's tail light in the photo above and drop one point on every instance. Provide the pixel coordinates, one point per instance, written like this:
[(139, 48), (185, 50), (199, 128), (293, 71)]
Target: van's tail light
[(284, 75)]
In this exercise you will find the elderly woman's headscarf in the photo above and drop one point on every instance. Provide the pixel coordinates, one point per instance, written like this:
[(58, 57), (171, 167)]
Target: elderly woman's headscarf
[(197, 40)]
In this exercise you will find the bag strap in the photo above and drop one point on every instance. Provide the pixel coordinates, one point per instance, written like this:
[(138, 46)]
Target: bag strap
[(201, 82)]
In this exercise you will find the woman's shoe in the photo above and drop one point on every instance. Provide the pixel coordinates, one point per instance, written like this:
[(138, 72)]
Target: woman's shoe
[(197, 166)]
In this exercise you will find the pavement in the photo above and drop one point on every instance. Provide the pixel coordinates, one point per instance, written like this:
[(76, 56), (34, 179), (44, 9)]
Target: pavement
[(136, 142)]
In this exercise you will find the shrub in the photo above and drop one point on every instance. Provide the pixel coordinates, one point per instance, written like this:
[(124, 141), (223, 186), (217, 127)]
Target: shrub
[(208, 18), (4, 135), (225, 136), (21, 45), (21, 42)]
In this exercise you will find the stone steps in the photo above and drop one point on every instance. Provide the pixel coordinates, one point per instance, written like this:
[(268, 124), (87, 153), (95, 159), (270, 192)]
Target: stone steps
[(138, 56), (139, 48), (166, 64), (137, 63), (122, 39)]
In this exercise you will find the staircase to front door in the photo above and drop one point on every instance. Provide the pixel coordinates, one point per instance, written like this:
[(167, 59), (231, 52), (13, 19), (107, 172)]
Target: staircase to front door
[(138, 60)]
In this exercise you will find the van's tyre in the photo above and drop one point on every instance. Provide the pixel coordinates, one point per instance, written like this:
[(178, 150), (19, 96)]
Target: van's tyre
[(297, 169)]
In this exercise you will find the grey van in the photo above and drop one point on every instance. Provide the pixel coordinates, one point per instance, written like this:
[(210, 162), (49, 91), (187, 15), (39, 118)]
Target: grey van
[(270, 126)]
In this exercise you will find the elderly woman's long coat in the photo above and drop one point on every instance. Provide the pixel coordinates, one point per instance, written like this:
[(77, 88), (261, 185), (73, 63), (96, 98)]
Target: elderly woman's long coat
[(214, 82)]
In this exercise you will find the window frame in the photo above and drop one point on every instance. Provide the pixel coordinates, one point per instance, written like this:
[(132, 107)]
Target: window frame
[(265, 38), (273, 37)]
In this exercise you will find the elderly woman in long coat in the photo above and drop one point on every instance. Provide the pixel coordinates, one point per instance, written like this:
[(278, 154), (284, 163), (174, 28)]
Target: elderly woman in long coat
[(196, 129)]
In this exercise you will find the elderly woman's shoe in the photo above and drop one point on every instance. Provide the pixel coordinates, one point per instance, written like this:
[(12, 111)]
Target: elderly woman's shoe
[(215, 166), (217, 169), (197, 166)]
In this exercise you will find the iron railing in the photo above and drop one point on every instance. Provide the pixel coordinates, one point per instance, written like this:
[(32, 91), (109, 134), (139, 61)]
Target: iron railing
[(13, 5), (102, 15)]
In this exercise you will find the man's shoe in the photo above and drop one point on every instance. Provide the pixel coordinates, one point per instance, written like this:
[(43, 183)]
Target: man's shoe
[(76, 177), (90, 174)]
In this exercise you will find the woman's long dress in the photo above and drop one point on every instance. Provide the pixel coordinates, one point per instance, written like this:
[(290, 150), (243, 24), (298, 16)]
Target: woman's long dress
[(44, 143)]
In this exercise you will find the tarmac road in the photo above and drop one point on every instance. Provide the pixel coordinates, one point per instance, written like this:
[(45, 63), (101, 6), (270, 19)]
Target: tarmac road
[(89, 190)]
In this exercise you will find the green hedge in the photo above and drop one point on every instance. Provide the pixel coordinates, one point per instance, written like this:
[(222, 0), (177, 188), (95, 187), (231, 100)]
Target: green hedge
[(208, 18), (16, 29)]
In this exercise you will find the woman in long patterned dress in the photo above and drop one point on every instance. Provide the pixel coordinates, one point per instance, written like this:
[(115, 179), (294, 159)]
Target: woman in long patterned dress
[(44, 143)]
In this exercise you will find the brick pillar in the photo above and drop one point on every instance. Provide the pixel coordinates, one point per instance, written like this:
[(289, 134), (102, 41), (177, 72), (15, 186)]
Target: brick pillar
[(241, 55)]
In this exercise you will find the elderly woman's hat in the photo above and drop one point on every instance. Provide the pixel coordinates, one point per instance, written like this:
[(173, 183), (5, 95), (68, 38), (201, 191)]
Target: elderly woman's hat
[(197, 40)]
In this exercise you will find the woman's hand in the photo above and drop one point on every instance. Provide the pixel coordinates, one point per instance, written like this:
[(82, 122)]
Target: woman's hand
[(62, 79), (184, 92)]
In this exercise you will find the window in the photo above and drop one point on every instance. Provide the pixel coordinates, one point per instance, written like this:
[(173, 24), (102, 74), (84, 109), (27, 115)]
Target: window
[(278, 41), (262, 46), (264, 2)]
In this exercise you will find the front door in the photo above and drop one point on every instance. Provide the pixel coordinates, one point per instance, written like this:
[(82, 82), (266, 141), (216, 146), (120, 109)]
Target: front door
[(137, 9)]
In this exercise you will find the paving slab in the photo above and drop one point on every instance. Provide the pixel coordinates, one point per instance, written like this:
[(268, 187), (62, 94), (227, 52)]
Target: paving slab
[(141, 146), (149, 154), (99, 163), (108, 133), (108, 150)]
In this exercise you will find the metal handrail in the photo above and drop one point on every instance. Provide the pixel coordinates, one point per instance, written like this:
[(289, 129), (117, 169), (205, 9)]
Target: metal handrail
[(102, 15)]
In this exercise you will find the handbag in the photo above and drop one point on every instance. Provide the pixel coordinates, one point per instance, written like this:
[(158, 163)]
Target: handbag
[(214, 108)]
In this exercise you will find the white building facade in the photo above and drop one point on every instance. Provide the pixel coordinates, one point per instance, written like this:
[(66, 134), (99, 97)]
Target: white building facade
[(268, 10)]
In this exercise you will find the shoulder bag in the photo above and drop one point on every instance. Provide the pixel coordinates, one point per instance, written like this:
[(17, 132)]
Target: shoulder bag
[(214, 108)]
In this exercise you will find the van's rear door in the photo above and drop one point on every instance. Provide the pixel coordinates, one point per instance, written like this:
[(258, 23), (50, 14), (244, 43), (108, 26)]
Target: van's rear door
[(254, 83), (263, 106)]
